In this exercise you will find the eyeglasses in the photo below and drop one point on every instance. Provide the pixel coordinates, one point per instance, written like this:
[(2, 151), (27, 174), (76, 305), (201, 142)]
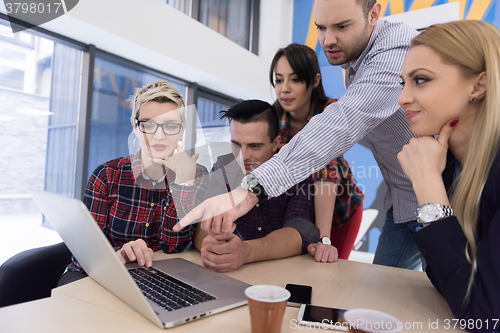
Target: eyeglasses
[(150, 127)]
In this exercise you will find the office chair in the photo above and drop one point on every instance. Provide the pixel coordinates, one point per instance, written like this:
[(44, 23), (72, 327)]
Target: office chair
[(343, 237), (369, 216), (32, 274)]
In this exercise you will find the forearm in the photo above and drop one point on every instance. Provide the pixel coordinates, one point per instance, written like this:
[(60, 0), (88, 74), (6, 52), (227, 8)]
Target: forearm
[(281, 243), (186, 197), (186, 175), (324, 205), (431, 189)]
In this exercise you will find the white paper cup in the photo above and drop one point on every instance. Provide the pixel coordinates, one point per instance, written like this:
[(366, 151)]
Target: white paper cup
[(372, 321)]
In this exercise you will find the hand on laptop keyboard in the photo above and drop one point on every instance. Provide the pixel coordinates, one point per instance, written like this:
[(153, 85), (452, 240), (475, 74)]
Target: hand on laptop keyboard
[(136, 251)]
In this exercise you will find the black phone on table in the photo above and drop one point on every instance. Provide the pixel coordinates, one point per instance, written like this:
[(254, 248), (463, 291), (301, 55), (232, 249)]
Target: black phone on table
[(300, 294), (322, 317)]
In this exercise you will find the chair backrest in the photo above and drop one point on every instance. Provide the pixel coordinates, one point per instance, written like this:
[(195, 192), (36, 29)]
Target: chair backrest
[(343, 237), (32, 274), (369, 216)]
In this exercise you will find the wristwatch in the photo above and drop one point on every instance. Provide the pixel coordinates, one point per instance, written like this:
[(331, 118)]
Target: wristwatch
[(326, 240), (252, 184), (429, 212)]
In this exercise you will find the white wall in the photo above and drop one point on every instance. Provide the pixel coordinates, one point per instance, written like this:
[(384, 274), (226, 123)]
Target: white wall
[(276, 24), (156, 35)]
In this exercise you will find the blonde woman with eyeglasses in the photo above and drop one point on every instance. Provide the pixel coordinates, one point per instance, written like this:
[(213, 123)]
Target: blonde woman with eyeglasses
[(137, 199), (451, 78)]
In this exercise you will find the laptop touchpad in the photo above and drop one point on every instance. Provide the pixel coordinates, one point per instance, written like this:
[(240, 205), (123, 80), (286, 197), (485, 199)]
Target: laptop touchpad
[(199, 276)]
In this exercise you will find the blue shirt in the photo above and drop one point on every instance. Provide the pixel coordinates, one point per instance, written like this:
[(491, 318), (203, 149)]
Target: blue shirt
[(368, 109)]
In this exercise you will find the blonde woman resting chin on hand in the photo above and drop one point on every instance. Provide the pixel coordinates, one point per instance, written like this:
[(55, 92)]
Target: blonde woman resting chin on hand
[(452, 89), (136, 200)]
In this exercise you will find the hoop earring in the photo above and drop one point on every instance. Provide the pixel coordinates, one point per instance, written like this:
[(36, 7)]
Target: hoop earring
[(474, 100), (134, 143)]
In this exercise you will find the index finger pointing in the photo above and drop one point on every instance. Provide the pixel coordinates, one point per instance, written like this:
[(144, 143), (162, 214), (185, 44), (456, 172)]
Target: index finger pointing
[(190, 218)]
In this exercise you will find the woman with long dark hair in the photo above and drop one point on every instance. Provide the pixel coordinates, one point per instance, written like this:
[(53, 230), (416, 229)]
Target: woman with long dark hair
[(296, 78)]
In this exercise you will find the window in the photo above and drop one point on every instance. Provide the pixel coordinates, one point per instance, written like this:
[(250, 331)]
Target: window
[(23, 59), (40, 90), (11, 77), (65, 110), (235, 19), (114, 83), (184, 6), (211, 131)]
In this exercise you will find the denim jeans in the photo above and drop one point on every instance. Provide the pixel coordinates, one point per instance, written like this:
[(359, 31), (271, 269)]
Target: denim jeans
[(396, 247)]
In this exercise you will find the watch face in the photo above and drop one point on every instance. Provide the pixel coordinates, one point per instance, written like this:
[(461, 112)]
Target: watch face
[(249, 181), (429, 212)]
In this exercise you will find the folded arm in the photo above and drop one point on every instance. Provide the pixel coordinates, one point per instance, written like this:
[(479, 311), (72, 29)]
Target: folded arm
[(226, 253)]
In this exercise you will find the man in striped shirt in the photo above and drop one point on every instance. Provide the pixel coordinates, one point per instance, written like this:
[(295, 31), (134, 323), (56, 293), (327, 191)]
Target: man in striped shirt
[(371, 52)]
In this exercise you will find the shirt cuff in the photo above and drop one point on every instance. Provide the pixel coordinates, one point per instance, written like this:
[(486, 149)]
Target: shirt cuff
[(307, 230), (274, 177), (183, 197), (420, 227), (442, 243)]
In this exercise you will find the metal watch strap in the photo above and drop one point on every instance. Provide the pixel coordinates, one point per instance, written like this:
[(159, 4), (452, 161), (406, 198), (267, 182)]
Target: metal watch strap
[(445, 211)]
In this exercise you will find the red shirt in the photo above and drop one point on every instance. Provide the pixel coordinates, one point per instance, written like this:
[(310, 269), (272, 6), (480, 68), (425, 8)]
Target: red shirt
[(127, 205)]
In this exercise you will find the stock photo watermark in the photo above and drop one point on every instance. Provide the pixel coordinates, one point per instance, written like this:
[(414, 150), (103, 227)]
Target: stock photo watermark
[(35, 13), (444, 324)]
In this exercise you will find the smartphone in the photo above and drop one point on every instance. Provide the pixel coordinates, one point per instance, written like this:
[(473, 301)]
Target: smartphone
[(321, 317), (300, 294)]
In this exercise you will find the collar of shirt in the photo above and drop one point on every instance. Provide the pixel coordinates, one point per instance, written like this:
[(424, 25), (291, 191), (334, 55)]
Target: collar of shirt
[(287, 133), (352, 67), (138, 168)]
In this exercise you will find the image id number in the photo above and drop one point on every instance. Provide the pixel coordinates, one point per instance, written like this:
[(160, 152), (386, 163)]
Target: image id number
[(471, 324), (23, 7)]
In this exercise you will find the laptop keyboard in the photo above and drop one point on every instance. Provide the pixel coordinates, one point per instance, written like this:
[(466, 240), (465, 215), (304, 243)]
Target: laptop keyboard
[(167, 291)]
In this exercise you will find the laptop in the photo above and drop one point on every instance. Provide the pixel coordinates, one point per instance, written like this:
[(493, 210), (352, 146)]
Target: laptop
[(172, 292)]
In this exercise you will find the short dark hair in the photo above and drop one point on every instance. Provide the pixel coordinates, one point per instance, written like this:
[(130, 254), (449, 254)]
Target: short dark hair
[(304, 63), (251, 111), (366, 5)]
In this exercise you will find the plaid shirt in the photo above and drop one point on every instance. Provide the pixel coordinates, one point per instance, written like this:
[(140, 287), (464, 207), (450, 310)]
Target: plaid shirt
[(337, 171), (127, 205), (266, 217)]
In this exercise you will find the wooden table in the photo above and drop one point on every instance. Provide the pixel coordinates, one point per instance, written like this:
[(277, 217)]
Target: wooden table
[(85, 306)]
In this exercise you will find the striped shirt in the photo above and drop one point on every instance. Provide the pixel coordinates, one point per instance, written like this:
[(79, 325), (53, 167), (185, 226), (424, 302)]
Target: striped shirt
[(127, 205), (349, 195), (368, 109)]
